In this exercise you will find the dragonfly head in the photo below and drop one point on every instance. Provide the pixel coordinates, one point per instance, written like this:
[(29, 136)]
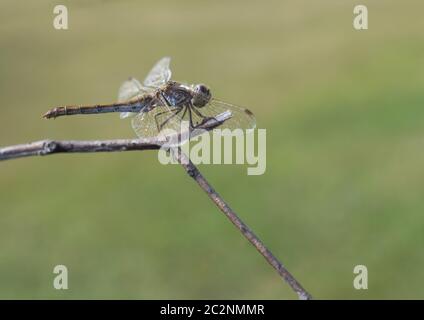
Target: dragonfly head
[(201, 95)]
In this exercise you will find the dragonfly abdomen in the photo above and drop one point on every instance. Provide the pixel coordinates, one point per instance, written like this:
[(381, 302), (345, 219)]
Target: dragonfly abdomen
[(135, 106)]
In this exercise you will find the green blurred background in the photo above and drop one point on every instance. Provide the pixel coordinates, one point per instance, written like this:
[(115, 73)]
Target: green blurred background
[(344, 183)]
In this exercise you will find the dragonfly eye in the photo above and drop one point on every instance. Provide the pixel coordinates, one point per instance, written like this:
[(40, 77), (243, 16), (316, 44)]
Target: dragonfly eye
[(201, 95)]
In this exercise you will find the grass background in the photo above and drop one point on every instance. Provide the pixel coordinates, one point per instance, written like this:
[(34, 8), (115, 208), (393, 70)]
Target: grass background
[(344, 183)]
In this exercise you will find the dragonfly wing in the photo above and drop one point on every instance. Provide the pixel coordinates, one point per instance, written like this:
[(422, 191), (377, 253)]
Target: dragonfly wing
[(129, 90), (241, 118), (160, 73), (162, 120), (132, 88)]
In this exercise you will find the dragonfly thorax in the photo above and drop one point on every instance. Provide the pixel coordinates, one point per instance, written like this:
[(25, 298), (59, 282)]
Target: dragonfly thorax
[(201, 95)]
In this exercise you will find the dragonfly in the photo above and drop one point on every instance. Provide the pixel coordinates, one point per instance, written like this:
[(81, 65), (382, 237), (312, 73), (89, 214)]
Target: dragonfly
[(160, 104)]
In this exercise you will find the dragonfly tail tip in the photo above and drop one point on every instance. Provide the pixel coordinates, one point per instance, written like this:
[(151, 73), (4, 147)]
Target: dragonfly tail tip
[(48, 115)]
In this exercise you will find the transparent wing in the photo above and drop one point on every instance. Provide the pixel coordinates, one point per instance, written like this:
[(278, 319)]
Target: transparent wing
[(162, 120), (129, 90), (165, 121), (160, 74), (241, 118)]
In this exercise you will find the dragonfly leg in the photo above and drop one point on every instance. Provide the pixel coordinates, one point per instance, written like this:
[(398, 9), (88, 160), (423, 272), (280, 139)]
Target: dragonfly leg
[(184, 113), (170, 117), (205, 118), (165, 102), (191, 117), (156, 117), (198, 113)]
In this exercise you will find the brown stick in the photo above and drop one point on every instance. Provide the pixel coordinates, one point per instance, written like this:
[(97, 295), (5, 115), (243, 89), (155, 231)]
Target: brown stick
[(193, 172), (47, 147)]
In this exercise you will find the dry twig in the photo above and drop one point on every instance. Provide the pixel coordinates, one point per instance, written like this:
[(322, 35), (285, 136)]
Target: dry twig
[(47, 147)]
